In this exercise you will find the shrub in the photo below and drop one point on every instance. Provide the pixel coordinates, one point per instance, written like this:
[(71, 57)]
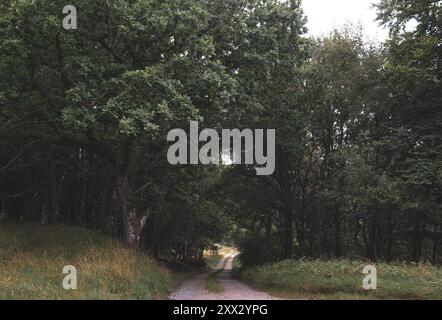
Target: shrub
[(258, 251)]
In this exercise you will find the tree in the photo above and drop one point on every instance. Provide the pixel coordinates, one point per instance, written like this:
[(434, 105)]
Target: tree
[(414, 139)]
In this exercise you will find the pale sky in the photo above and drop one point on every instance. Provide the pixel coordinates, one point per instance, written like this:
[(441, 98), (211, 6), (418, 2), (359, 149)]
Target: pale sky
[(326, 15)]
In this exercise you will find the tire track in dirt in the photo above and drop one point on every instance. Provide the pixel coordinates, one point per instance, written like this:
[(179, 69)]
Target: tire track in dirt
[(195, 288)]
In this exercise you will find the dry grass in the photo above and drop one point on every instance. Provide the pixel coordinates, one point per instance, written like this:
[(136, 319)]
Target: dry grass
[(32, 258)]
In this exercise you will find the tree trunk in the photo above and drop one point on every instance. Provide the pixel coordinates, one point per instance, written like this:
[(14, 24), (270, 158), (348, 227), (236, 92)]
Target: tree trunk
[(390, 238), (288, 233), (54, 192), (338, 248), (132, 224), (435, 246), (417, 240)]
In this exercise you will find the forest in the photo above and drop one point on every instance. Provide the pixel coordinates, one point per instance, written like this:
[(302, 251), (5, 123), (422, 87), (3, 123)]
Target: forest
[(85, 114)]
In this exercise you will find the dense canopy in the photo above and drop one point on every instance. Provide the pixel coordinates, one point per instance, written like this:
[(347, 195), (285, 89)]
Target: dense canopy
[(84, 116)]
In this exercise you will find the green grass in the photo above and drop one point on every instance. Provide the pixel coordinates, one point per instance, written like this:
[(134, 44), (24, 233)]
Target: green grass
[(212, 261), (213, 284), (342, 279), (32, 258)]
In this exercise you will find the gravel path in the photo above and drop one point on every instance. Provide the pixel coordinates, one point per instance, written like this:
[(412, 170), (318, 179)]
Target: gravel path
[(195, 288)]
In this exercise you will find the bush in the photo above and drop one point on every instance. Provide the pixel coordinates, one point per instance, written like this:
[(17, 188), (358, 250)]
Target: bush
[(3, 217), (258, 251)]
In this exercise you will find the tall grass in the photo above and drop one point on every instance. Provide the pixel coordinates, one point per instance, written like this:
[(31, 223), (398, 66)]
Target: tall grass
[(32, 258), (342, 279)]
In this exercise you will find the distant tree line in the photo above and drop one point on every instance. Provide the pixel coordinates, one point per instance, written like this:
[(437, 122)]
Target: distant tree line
[(84, 116)]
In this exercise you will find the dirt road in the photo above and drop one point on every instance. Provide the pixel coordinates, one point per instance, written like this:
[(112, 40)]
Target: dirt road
[(195, 288)]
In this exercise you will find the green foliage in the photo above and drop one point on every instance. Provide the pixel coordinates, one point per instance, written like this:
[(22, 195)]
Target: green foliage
[(358, 164), (358, 137), (258, 251)]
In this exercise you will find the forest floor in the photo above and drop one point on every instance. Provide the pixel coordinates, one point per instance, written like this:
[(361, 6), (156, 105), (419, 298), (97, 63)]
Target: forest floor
[(218, 284)]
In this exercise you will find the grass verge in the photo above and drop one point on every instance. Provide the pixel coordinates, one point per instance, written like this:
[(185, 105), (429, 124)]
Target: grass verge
[(342, 279), (32, 258)]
